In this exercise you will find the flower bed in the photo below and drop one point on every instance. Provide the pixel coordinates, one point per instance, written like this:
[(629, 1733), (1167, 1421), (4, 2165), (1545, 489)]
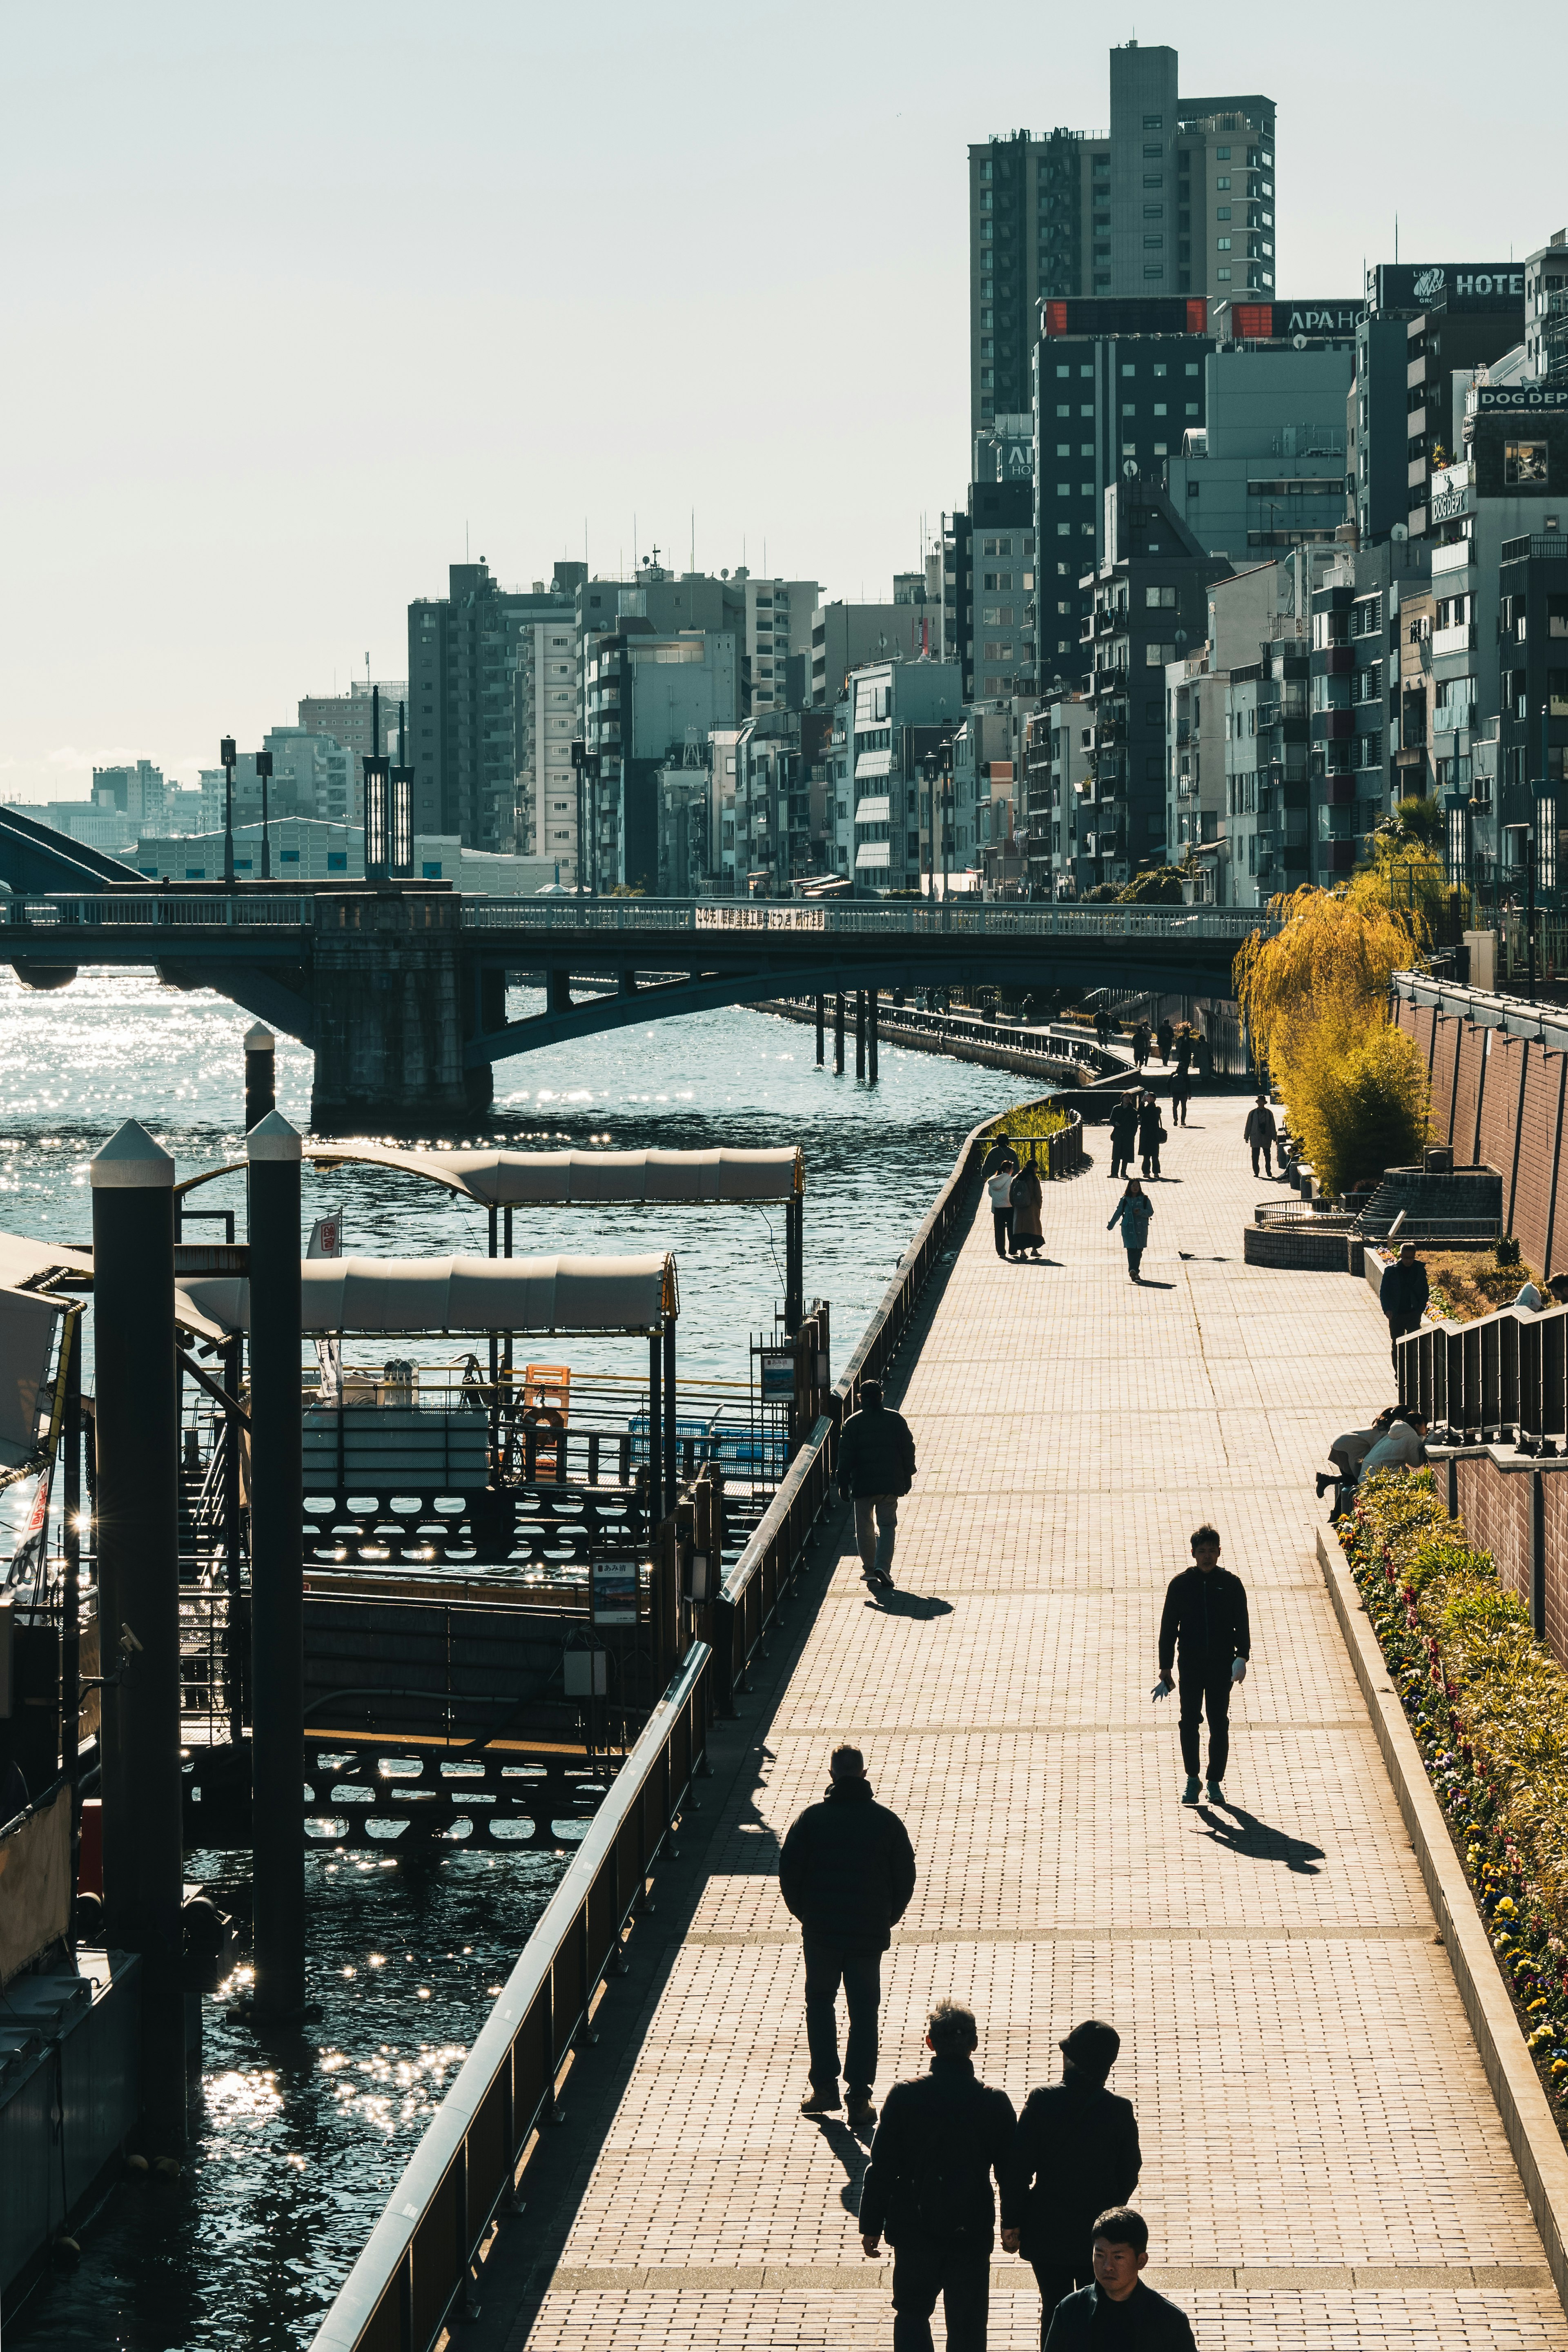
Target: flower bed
[(1489, 1708)]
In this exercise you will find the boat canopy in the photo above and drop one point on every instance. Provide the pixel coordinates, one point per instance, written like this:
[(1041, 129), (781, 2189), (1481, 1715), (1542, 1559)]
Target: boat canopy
[(503, 1179), (413, 1296), (48, 1267)]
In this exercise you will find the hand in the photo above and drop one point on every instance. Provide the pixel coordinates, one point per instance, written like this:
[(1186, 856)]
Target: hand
[(1010, 2241), (873, 2246), (1238, 1670), (1161, 1688)]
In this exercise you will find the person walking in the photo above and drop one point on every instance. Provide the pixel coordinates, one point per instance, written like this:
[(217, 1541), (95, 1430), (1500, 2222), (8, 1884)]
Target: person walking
[(1140, 1042), (1150, 1134), (1403, 1294), (1261, 1133), (999, 1191), (1124, 1128), (1184, 1048), (1165, 1033), (1181, 1094), (876, 1465), (1075, 2152), (1025, 1197), (1205, 1618), (1118, 2308), (847, 1872), (928, 2188), (1132, 1214)]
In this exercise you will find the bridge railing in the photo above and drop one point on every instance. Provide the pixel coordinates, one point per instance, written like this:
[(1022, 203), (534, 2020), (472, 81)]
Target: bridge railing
[(420, 2260), (159, 911), (1112, 922)]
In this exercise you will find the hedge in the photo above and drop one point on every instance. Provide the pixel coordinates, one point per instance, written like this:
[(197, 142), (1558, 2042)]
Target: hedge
[(1488, 1707)]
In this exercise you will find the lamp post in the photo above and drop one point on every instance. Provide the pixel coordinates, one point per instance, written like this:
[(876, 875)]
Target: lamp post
[(1526, 848), (577, 758), (264, 771), (226, 753)]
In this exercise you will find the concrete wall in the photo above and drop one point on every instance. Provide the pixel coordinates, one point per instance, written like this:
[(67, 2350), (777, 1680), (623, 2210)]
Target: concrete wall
[(1501, 1101)]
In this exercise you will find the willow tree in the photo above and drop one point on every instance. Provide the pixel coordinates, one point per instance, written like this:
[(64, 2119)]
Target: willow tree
[(1316, 998)]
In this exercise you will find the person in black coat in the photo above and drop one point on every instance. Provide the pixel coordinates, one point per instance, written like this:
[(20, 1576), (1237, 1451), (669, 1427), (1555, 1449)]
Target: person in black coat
[(1206, 1618), (1403, 1294), (1119, 2313), (847, 1872), (1124, 1128), (928, 2188), (1075, 2153), (1150, 1134), (876, 1465)]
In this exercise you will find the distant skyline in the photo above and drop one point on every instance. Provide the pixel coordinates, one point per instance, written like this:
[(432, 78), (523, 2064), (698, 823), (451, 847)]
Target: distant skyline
[(296, 300)]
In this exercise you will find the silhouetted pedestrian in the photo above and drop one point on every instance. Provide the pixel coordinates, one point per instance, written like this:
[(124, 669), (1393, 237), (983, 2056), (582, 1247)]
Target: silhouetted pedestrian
[(1184, 1049), (1261, 1133), (876, 1465), (1075, 2152), (1028, 1233), (1132, 1214), (1123, 1130), (1181, 1095), (1403, 1294), (1165, 1033), (928, 2188), (847, 1872), (1206, 1618), (1118, 2309), (1150, 1134), (1140, 1043)]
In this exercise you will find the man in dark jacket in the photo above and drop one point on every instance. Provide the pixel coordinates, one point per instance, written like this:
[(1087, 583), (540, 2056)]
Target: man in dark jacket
[(876, 1465), (847, 1872), (1260, 1133), (1150, 1134), (1124, 1128), (1206, 1618), (928, 2187), (1119, 2310), (1403, 1294), (1076, 2153)]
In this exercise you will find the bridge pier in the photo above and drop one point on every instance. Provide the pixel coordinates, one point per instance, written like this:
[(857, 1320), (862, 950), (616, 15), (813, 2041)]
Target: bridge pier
[(391, 1012)]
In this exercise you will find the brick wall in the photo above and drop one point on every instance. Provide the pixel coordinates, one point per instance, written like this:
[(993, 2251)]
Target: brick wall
[(1514, 1093), (1555, 1494), (1495, 1506)]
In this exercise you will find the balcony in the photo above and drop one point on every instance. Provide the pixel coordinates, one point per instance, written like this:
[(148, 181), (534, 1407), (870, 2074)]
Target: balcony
[(1459, 639), (1456, 555)]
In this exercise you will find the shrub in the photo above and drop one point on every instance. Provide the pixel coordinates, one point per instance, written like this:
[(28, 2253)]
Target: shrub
[(1157, 886), (1488, 1707), (1026, 1120)]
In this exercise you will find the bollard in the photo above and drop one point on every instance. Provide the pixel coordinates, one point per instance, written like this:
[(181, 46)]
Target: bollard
[(260, 1075), (276, 1574), (137, 1437)]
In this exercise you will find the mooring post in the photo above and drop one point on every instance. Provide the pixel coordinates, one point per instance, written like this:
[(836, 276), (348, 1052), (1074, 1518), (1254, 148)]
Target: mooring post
[(137, 1434), (276, 1574), (859, 1033), (70, 1552), (671, 1440), (871, 1036), (839, 1034), (821, 1024), (654, 1434), (260, 1074), (237, 1632), (794, 1263)]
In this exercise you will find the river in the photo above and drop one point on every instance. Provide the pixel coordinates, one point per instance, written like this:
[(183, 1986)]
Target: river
[(298, 2143)]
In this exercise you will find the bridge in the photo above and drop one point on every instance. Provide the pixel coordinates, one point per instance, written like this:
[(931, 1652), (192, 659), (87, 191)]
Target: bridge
[(400, 992)]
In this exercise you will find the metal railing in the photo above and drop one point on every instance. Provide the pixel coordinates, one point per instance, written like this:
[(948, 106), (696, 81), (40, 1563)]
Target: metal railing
[(951, 915), (1501, 1378), (239, 911), (420, 2262)]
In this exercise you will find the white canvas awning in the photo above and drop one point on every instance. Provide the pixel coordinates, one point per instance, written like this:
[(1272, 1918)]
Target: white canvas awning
[(38, 1266), (28, 1322), (454, 1296), (498, 1178)]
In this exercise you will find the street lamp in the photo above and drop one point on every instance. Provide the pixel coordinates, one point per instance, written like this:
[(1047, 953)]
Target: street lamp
[(577, 758), (264, 770), (226, 753), (1526, 849)]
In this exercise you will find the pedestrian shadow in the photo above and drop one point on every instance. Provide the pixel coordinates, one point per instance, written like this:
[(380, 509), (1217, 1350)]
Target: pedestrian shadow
[(1244, 1833), (898, 1603), (1145, 1283), (850, 2155)]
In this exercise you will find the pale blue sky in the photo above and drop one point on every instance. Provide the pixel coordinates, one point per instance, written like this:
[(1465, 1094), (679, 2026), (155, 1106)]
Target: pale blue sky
[(292, 295)]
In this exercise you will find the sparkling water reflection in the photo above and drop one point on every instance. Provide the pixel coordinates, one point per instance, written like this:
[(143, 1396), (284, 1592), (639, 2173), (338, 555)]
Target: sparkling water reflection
[(299, 2145)]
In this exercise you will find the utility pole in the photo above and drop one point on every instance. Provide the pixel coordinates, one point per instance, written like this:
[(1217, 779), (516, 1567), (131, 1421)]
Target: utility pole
[(226, 753), (264, 770)]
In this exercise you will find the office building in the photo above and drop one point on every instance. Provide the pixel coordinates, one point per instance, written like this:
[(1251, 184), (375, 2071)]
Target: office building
[(1265, 470), (138, 791), (846, 636), (648, 697), (544, 723), (778, 618), (1117, 386), (994, 539), (781, 799), (1177, 197), (464, 654), (347, 718), (889, 716)]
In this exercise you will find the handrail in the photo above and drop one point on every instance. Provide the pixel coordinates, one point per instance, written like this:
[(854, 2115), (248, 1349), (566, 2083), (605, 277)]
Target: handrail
[(951, 916), (418, 2262), (154, 911)]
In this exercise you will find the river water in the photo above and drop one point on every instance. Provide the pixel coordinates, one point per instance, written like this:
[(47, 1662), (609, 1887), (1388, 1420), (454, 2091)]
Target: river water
[(298, 2143)]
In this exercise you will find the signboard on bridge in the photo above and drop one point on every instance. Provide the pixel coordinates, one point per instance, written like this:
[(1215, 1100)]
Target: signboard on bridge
[(615, 1593)]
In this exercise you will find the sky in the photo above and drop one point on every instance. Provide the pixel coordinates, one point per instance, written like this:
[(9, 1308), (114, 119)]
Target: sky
[(301, 302)]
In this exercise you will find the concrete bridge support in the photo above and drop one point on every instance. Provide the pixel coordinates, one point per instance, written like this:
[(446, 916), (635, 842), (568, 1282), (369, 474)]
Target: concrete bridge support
[(391, 1012)]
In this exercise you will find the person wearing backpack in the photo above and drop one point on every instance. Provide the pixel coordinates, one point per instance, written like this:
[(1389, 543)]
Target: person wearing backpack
[(1075, 2153), (928, 2188)]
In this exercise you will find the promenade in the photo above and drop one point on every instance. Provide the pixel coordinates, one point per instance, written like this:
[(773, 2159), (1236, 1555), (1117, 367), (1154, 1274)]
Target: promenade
[(1323, 2163)]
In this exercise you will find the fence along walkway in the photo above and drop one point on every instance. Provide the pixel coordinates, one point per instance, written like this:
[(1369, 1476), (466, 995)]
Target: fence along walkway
[(1323, 2160)]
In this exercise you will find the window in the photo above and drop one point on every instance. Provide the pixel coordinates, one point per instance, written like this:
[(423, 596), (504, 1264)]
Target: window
[(1224, 180), (1153, 180), (1160, 368), (1160, 409), (337, 861), (1191, 367), (1222, 245), (1524, 464), (1222, 155), (1153, 123), (1221, 212), (1064, 410), (1150, 242), (1062, 371), (1064, 449), (1160, 600), (1223, 273)]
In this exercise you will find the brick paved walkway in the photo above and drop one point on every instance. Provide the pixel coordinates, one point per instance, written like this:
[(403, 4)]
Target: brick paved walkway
[(1323, 2162)]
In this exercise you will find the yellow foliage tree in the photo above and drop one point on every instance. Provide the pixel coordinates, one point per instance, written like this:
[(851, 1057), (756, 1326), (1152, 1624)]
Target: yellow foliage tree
[(1316, 1000)]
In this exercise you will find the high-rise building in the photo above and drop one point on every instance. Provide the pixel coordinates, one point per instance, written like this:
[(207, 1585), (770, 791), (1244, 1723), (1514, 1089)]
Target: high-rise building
[(346, 718), (1267, 468), (1427, 328), (464, 654), (545, 721), (778, 632), (1176, 197), (137, 791)]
